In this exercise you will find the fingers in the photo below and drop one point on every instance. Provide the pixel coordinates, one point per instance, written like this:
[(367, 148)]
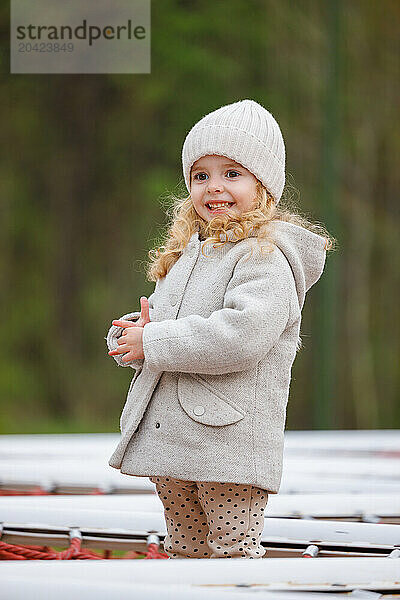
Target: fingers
[(144, 310), (114, 352), (119, 350), (123, 323), (126, 351), (122, 347)]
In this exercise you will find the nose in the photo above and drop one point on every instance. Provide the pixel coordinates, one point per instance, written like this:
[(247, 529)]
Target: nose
[(214, 185)]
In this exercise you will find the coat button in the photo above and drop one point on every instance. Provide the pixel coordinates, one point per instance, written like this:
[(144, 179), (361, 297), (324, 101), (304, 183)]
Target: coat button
[(199, 410), (157, 425), (173, 298)]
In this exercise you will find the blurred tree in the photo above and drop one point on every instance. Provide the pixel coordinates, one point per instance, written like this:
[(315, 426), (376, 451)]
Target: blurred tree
[(86, 160)]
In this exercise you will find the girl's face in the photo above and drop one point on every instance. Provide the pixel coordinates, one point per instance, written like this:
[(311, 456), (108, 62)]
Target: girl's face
[(221, 185)]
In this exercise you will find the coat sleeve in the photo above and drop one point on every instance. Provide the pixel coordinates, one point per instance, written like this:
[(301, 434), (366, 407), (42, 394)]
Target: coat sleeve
[(115, 332), (255, 312)]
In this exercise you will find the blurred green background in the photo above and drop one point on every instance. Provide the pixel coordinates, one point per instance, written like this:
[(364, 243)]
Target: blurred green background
[(86, 161)]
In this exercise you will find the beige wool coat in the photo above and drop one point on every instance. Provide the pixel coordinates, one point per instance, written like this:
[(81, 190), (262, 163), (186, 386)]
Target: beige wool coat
[(208, 401)]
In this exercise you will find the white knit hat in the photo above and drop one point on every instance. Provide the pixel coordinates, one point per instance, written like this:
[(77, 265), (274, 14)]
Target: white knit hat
[(245, 132)]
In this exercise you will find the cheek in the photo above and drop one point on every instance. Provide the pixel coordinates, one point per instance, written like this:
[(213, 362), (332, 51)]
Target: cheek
[(246, 196), (197, 205), (195, 200), (244, 191)]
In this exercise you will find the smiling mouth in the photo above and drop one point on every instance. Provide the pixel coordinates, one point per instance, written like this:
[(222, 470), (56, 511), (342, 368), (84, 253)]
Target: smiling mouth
[(213, 208)]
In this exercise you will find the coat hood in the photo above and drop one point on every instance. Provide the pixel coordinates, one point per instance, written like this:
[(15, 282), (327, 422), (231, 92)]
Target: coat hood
[(305, 252)]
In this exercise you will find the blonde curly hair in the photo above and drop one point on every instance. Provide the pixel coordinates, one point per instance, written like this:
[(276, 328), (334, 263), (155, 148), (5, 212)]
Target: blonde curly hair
[(185, 221)]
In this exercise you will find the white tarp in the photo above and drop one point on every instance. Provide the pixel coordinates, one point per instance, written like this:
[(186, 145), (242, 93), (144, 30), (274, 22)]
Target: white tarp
[(275, 573)]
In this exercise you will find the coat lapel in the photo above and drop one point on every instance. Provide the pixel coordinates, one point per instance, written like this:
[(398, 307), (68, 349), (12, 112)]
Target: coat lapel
[(178, 277)]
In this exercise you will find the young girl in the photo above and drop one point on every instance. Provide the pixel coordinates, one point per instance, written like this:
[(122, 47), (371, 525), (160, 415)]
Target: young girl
[(214, 344)]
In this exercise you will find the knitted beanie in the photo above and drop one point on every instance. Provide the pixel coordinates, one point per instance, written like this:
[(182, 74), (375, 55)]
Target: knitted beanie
[(244, 132)]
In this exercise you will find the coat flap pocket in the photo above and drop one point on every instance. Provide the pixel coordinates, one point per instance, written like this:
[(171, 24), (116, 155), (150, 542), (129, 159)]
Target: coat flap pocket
[(205, 405)]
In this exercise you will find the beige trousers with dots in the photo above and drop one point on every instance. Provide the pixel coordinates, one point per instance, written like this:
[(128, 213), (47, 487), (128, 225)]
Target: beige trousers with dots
[(211, 519)]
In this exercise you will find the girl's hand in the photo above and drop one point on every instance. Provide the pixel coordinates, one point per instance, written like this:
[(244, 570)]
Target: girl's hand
[(131, 340), (130, 343)]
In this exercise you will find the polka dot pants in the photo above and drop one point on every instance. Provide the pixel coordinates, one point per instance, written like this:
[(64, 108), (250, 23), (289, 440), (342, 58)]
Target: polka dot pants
[(212, 520)]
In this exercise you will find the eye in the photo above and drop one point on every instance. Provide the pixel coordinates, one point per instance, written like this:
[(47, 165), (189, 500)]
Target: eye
[(231, 171), (196, 176)]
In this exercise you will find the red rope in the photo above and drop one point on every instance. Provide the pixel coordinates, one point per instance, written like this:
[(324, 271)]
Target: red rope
[(5, 555), (73, 552), (14, 552), (34, 492), (153, 552)]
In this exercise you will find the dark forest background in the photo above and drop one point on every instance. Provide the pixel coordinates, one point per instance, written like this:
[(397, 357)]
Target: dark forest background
[(86, 161)]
